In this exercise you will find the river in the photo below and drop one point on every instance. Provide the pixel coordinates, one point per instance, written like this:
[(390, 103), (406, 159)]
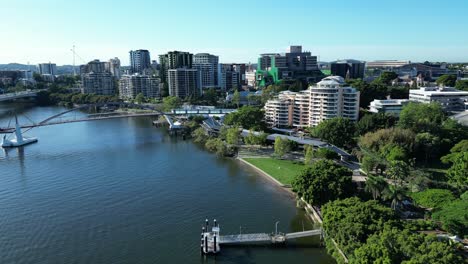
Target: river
[(123, 191)]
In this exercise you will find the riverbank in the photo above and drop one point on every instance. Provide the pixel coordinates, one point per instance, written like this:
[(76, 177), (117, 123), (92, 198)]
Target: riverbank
[(310, 210), (263, 173)]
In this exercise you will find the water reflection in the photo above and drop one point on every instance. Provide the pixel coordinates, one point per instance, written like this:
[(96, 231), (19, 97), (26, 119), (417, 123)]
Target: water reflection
[(123, 191), (20, 154)]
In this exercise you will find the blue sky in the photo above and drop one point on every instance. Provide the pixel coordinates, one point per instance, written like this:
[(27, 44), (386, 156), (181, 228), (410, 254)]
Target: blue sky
[(45, 30)]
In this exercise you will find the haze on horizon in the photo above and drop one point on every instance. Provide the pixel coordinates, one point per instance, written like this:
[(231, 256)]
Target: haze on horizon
[(238, 31)]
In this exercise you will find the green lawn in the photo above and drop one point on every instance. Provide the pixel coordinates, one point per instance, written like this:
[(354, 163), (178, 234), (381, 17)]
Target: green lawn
[(282, 170)]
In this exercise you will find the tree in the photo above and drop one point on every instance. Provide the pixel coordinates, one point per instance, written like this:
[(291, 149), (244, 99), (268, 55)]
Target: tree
[(252, 139), (140, 98), (373, 122), (452, 133), (382, 141), (254, 99), (210, 96), (433, 198), (271, 90), (447, 80), (282, 146), (454, 217), (369, 92), (236, 98), (394, 153), (309, 155), (398, 171), (455, 151), (232, 136), (388, 144), (199, 135), (396, 195), (369, 163), (458, 157), (428, 146), (398, 92), (322, 182), (247, 117), (338, 131), (462, 85), (37, 77), (376, 185), (386, 77), (325, 153), (458, 173), (395, 246), (171, 102), (217, 145), (351, 221), (422, 117)]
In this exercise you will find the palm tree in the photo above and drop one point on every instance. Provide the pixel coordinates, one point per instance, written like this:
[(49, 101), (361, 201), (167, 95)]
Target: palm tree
[(396, 194), (376, 185), (398, 171)]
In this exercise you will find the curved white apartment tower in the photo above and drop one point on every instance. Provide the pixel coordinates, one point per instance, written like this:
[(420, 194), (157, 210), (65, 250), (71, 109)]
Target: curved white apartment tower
[(331, 98), (328, 99)]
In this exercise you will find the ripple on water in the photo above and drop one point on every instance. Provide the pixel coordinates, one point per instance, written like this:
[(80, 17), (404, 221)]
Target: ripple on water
[(122, 191)]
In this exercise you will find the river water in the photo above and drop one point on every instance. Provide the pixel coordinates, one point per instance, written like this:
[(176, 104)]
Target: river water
[(123, 191)]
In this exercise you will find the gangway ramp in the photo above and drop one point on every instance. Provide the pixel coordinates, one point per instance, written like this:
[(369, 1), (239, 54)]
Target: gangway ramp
[(308, 233)]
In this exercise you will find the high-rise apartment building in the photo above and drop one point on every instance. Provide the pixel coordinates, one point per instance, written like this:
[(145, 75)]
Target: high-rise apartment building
[(47, 68), (331, 98), (240, 68), (139, 60), (101, 83), (230, 78), (208, 66), (94, 66), (132, 85), (97, 79), (113, 66), (328, 99), (279, 112), (183, 82), (174, 60)]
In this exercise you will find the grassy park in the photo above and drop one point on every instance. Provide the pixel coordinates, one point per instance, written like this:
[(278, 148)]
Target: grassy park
[(282, 170)]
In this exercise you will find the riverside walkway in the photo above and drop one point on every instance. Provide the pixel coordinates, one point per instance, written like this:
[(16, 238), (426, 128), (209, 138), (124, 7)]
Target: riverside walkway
[(18, 95)]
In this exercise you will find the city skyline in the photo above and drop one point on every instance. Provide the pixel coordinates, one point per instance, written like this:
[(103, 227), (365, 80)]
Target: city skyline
[(239, 32)]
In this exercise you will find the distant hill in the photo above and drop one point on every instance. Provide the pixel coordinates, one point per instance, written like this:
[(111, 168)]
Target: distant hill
[(17, 67), (63, 69)]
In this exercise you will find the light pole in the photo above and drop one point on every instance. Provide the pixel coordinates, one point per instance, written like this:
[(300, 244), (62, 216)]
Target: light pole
[(276, 227), (240, 230)]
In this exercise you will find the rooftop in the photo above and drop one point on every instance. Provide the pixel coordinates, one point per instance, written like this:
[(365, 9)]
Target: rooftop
[(390, 102), (331, 81), (438, 90)]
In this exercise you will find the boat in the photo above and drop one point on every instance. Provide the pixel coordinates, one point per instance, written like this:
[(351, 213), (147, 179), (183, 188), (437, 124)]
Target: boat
[(19, 140)]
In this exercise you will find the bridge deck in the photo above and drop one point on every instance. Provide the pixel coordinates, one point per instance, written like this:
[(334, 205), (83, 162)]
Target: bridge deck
[(17, 95), (92, 118)]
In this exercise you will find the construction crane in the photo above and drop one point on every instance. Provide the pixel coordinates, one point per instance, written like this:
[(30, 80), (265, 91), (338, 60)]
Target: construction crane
[(75, 55)]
